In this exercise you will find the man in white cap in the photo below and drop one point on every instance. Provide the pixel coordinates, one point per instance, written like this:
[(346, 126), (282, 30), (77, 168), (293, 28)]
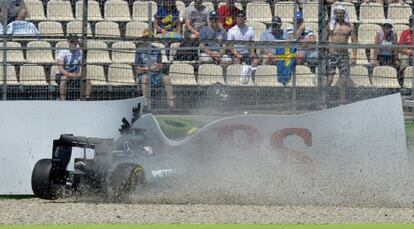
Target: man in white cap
[(384, 55), (339, 32)]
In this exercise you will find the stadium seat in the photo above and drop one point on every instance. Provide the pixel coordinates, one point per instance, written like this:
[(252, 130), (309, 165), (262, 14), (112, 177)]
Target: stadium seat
[(97, 56), (209, 74), (258, 27), (96, 75), (362, 58), (237, 4), (173, 53), (94, 12), (371, 13), (310, 12), (258, 12), (360, 77), (233, 76), (350, 7), (59, 10), (286, 25), (135, 29), (209, 5), (123, 52), (75, 27), (367, 32), (59, 46), (182, 74), (305, 77), (399, 13), (39, 52), (140, 10), (13, 56), (36, 12), (163, 53), (408, 77), (32, 75), (117, 10), (266, 75), (11, 75), (121, 75), (285, 11), (107, 29), (51, 28), (385, 77), (52, 77)]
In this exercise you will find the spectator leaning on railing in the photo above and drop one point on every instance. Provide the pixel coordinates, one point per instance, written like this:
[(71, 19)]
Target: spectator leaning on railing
[(148, 65)]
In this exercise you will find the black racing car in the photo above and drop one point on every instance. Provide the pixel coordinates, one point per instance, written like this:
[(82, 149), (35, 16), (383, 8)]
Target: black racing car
[(114, 171)]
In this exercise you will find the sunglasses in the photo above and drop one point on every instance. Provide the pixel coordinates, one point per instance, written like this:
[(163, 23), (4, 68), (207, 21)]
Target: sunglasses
[(276, 24)]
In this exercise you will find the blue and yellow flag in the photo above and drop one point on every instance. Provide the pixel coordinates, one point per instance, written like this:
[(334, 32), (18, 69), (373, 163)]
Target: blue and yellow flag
[(286, 63)]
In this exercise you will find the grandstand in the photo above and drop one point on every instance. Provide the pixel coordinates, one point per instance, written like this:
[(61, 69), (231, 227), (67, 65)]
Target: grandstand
[(115, 29)]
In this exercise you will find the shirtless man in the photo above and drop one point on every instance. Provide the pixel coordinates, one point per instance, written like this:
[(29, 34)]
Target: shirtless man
[(339, 57)]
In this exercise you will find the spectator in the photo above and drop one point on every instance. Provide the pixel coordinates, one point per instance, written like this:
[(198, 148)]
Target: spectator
[(69, 61), (242, 54), (148, 65), (195, 18), (384, 55), (406, 54), (167, 20), (274, 33), (304, 34), (339, 33), (16, 10), (22, 27), (211, 36), (227, 14)]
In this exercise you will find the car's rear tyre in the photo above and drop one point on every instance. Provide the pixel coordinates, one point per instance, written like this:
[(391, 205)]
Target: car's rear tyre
[(43, 185), (125, 179)]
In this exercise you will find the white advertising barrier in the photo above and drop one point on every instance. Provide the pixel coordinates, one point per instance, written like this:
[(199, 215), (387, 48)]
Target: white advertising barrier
[(27, 130), (352, 154)]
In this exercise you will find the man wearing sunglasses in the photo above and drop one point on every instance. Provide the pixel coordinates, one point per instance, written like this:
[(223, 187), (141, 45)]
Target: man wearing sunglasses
[(274, 33), (211, 37)]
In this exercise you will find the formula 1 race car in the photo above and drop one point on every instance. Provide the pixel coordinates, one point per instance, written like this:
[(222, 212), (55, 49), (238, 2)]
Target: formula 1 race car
[(113, 171)]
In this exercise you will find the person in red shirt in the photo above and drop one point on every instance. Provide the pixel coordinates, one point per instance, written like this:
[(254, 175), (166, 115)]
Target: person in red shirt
[(406, 54), (227, 14)]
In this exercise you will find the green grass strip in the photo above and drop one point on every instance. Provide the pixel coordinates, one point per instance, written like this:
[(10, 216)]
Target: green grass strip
[(214, 226)]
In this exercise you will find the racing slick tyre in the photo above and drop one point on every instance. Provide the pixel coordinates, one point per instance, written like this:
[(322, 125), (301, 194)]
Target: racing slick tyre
[(125, 179), (43, 185)]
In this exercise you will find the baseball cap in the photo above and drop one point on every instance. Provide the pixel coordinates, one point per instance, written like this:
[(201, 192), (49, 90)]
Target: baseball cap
[(387, 22), (241, 14), (213, 15), (276, 20), (299, 14), (73, 37)]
